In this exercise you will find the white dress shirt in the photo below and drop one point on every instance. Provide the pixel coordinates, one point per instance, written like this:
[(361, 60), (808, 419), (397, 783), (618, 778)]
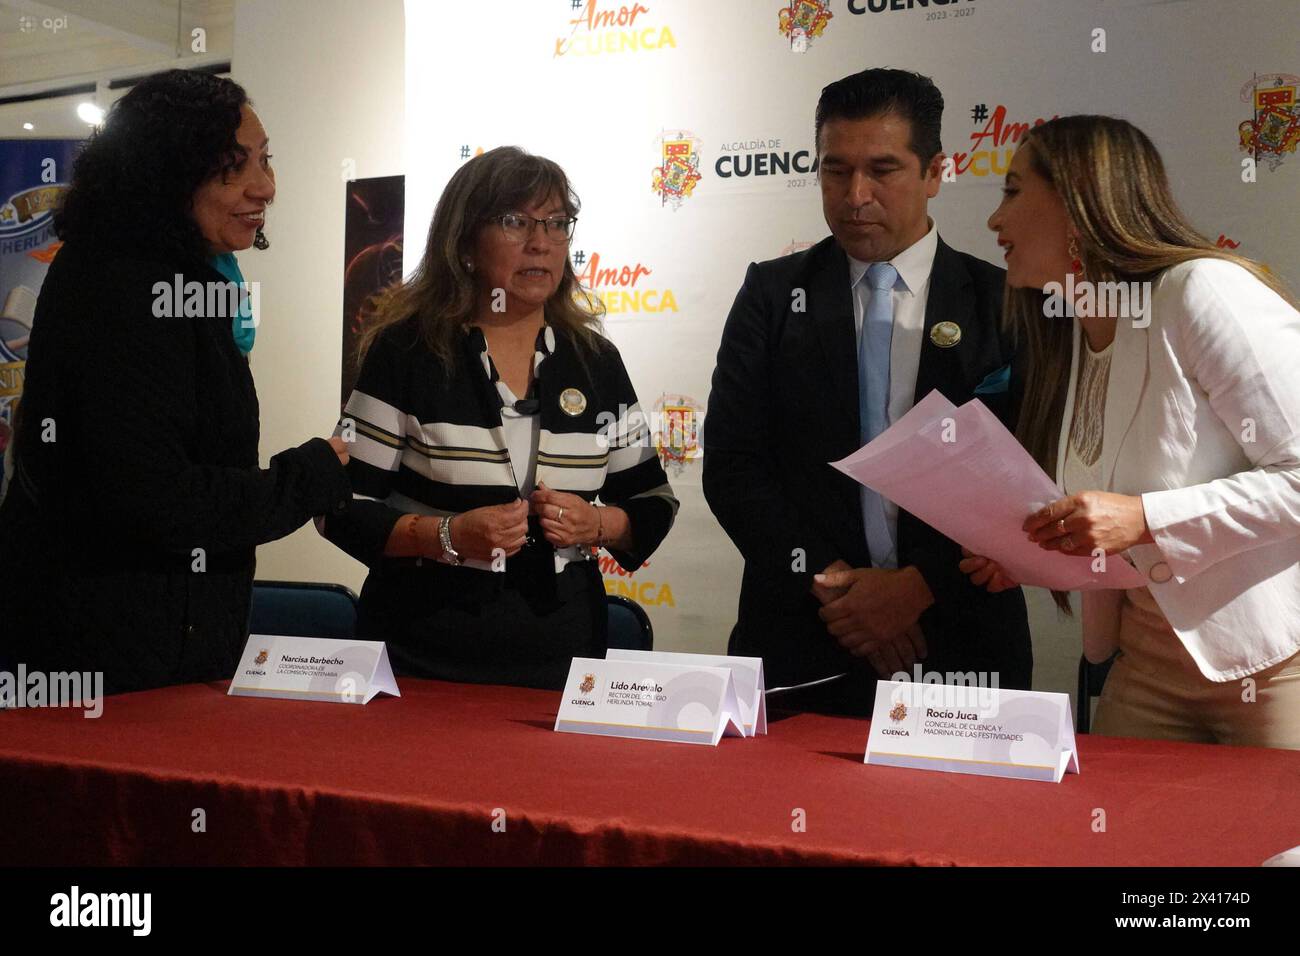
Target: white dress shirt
[(522, 433), (910, 295)]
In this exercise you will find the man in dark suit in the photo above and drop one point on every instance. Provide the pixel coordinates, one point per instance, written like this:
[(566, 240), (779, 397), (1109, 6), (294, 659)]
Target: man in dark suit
[(821, 351)]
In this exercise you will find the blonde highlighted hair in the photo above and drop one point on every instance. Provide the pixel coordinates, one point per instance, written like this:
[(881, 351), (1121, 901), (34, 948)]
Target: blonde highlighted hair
[(1112, 181)]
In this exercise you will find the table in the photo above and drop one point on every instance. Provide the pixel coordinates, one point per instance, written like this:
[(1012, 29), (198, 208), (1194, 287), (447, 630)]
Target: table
[(422, 780)]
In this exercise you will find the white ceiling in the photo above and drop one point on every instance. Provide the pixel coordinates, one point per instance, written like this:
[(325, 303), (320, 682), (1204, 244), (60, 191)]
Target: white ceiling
[(46, 46)]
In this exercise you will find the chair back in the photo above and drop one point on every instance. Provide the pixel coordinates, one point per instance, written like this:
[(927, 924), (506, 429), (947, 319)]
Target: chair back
[(629, 625), (303, 609)]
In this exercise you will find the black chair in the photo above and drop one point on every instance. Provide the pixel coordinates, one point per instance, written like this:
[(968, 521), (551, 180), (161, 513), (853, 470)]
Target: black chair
[(303, 609), (629, 625), (1091, 677)]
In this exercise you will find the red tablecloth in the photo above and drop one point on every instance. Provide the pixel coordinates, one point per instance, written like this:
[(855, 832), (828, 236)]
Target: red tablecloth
[(417, 780)]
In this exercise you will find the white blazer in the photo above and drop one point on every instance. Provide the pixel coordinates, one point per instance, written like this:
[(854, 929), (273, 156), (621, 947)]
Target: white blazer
[(1202, 420)]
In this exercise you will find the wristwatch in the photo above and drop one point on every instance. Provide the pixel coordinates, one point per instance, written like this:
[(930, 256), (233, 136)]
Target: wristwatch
[(449, 554)]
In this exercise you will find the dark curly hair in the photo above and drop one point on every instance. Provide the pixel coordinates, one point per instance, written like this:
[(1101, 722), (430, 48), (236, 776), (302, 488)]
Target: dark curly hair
[(134, 181)]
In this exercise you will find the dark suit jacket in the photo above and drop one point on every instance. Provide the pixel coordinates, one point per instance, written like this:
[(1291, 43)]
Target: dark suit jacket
[(784, 404)]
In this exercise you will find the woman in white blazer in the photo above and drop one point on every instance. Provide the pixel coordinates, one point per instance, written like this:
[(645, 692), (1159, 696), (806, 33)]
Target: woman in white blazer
[(1168, 407)]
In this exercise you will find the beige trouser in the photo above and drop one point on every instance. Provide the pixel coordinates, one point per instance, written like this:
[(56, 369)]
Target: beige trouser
[(1156, 690)]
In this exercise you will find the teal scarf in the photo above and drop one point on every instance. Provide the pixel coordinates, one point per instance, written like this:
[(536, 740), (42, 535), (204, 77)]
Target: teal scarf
[(243, 326)]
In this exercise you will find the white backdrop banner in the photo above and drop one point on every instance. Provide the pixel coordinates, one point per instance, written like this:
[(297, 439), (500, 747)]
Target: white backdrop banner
[(687, 130)]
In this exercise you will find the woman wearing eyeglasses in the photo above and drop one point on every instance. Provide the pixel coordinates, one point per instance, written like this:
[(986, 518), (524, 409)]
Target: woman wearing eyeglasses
[(496, 443)]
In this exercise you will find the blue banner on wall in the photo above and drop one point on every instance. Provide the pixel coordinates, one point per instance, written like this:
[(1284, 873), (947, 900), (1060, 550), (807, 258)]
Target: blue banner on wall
[(34, 174)]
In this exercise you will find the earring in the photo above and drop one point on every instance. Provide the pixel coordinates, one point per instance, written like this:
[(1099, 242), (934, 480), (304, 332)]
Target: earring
[(260, 241), (1076, 264), (469, 265)]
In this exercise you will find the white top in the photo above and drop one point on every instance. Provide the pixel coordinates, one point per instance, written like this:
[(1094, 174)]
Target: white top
[(1082, 471), (522, 434), (910, 296)]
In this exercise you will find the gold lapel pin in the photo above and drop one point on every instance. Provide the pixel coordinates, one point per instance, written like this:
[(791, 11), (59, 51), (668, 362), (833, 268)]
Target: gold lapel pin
[(573, 402), (945, 334)]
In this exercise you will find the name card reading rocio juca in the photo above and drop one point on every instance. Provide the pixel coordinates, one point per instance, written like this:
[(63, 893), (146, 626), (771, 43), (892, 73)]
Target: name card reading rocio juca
[(965, 729)]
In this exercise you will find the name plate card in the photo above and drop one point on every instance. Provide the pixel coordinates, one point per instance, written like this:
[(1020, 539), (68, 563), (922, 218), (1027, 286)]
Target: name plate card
[(649, 700), (1028, 735), (312, 668), (747, 672)]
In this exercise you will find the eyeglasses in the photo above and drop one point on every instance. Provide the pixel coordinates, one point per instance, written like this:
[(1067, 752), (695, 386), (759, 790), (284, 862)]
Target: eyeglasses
[(518, 228)]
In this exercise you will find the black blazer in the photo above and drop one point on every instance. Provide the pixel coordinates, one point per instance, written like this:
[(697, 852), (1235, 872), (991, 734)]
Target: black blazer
[(138, 444), (785, 403)]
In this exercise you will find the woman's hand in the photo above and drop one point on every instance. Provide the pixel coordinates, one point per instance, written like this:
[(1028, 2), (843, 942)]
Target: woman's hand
[(984, 573), (1082, 523), (482, 532), (566, 518)]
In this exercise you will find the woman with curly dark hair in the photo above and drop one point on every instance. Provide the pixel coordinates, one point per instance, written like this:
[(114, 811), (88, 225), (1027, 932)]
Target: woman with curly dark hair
[(127, 538)]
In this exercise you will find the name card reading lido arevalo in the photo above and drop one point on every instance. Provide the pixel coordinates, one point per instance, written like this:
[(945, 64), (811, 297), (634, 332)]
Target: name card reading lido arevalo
[(649, 700), (964, 729), (747, 672), (313, 668)]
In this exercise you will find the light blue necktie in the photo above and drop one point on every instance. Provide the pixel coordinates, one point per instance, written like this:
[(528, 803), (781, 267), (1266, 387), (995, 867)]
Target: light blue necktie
[(873, 399)]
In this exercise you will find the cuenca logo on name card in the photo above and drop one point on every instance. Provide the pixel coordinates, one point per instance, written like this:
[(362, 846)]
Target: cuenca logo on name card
[(309, 668)]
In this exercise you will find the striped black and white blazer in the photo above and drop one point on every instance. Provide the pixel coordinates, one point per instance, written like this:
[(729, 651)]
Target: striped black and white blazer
[(430, 441)]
